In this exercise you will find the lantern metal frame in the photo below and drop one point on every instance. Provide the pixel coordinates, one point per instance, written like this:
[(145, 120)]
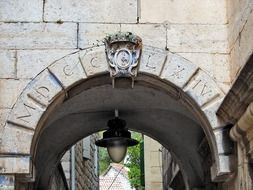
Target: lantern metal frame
[(116, 135)]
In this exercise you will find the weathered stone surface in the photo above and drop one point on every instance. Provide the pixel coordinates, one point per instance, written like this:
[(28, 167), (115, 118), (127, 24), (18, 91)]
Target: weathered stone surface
[(7, 64), (16, 140), (238, 13), (223, 145), (210, 113), (68, 70), (152, 60), (246, 48), (235, 61), (21, 10), (153, 177), (197, 38), (34, 100), (151, 34), (184, 11), (178, 70), (14, 164), (94, 60), (221, 167), (38, 36), (242, 49), (110, 11), (10, 90), (32, 62), (216, 65), (93, 34), (3, 117), (202, 89)]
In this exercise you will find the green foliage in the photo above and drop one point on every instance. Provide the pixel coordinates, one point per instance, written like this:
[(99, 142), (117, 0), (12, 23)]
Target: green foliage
[(134, 163), (104, 160)]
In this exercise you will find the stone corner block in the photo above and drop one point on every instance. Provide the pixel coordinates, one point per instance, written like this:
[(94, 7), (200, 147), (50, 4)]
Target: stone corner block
[(221, 170)]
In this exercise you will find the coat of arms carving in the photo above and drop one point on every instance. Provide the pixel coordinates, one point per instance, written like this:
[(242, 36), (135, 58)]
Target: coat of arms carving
[(123, 52)]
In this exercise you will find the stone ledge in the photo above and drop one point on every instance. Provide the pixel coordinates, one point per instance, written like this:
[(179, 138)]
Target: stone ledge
[(14, 164)]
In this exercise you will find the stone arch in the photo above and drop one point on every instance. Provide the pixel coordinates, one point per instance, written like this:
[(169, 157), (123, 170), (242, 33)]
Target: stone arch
[(195, 88)]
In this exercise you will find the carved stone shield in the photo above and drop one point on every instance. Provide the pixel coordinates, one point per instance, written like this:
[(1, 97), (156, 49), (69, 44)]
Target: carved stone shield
[(123, 52)]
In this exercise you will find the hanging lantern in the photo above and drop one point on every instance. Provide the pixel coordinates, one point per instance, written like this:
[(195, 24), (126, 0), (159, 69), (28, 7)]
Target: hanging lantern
[(116, 139)]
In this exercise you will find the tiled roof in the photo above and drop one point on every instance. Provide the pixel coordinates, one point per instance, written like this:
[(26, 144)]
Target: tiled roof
[(117, 181), (105, 182)]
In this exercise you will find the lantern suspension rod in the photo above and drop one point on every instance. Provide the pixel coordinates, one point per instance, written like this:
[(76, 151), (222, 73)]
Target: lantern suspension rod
[(116, 113)]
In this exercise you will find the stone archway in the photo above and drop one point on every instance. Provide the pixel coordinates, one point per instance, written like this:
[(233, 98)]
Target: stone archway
[(188, 83)]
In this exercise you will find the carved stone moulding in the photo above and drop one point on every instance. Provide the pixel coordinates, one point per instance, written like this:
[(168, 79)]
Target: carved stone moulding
[(242, 132), (123, 52)]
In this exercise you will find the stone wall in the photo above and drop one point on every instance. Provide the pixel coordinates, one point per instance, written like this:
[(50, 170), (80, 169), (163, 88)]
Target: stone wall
[(86, 170), (240, 26), (36, 33), (152, 164)]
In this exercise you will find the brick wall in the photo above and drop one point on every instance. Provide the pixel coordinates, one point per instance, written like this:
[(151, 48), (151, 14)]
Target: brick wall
[(86, 171)]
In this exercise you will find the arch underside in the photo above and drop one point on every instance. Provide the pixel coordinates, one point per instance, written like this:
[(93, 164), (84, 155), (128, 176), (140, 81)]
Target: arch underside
[(36, 124)]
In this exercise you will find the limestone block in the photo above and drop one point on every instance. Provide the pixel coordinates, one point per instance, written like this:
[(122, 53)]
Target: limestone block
[(210, 113), (215, 65), (223, 144), (110, 11), (3, 117), (94, 60), (10, 90), (202, 89), (68, 70), (33, 101), (184, 11), (38, 36), (21, 10), (93, 34), (156, 174), (221, 167), (151, 34), (7, 64), (246, 36), (235, 62), (152, 60), (14, 164), (178, 70), (16, 140), (197, 38), (155, 158), (224, 87), (32, 62), (238, 13)]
